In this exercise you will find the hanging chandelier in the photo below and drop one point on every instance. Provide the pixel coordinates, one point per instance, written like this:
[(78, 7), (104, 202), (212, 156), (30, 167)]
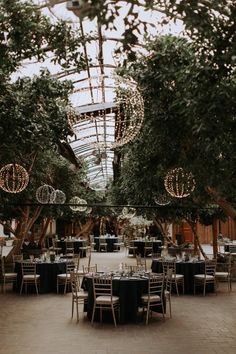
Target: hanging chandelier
[(44, 194), (58, 196), (179, 183), (162, 199), (112, 106), (13, 178), (82, 208), (128, 212)]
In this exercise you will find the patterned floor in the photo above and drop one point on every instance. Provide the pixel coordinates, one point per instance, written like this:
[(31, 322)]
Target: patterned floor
[(31, 324)]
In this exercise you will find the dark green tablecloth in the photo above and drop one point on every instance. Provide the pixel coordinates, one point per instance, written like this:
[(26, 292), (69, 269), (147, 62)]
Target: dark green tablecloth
[(48, 272), (188, 269), (129, 291)]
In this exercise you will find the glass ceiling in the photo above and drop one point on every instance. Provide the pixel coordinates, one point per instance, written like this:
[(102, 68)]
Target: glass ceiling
[(93, 95)]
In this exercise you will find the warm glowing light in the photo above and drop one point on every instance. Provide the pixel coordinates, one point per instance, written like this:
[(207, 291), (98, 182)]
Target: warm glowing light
[(179, 183), (58, 196), (13, 178), (44, 194)]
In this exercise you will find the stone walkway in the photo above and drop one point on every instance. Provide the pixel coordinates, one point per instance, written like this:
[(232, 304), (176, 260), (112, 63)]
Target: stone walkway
[(31, 324)]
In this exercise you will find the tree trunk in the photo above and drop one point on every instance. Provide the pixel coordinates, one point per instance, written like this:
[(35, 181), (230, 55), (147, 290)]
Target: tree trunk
[(167, 241), (193, 225), (86, 228), (43, 233), (214, 234), (225, 206)]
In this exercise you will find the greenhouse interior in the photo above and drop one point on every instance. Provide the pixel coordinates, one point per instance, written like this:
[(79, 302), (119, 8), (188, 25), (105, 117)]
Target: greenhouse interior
[(117, 176)]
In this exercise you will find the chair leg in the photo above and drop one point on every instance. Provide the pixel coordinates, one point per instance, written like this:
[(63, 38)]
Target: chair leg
[(77, 311), (92, 319), (204, 289), (114, 316), (65, 286), (72, 308), (36, 287), (170, 308), (148, 309), (176, 285)]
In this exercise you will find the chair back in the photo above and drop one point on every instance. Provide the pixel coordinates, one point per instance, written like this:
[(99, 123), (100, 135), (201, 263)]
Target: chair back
[(102, 241), (76, 260), (155, 284), (170, 264), (28, 268), (148, 244), (70, 267), (168, 280), (102, 286), (141, 261), (17, 258), (75, 282), (131, 243), (232, 248), (138, 268), (90, 269), (2, 265), (210, 267), (69, 246)]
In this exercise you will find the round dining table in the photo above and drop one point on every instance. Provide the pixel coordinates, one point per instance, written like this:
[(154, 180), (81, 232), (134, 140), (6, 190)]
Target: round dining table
[(140, 244), (48, 272), (188, 269), (76, 243), (129, 289), (110, 240)]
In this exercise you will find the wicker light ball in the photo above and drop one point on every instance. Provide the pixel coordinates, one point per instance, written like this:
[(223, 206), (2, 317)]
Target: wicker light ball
[(179, 183), (13, 178), (58, 196), (44, 194)]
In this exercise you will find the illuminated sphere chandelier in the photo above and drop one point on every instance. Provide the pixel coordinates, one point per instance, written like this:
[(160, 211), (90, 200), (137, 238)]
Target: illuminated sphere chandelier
[(179, 183), (58, 196), (79, 201), (82, 208), (128, 212), (13, 178), (44, 194), (110, 105), (162, 199)]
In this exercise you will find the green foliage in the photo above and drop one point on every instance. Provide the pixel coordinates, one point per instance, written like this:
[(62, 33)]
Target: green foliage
[(189, 122), (27, 34), (33, 116)]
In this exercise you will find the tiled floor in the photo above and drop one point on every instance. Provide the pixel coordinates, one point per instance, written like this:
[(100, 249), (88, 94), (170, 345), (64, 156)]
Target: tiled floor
[(31, 324)]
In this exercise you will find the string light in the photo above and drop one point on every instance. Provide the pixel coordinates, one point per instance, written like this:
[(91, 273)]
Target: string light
[(44, 194), (129, 212), (124, 117), (13, 178), (74, 200), (81, 208), (179, 183), (58, 196), (162, 199)]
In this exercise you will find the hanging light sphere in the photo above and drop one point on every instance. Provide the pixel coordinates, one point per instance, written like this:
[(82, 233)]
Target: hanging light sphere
[(179, 183), (13, 178), (82, 208), (89, 210), (162, 199), (129, 212), (75, 200), (122, 114), (58, 196), (44, 194)]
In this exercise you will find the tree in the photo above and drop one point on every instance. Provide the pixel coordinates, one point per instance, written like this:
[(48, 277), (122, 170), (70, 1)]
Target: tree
[(185, 126), (34, 111)]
